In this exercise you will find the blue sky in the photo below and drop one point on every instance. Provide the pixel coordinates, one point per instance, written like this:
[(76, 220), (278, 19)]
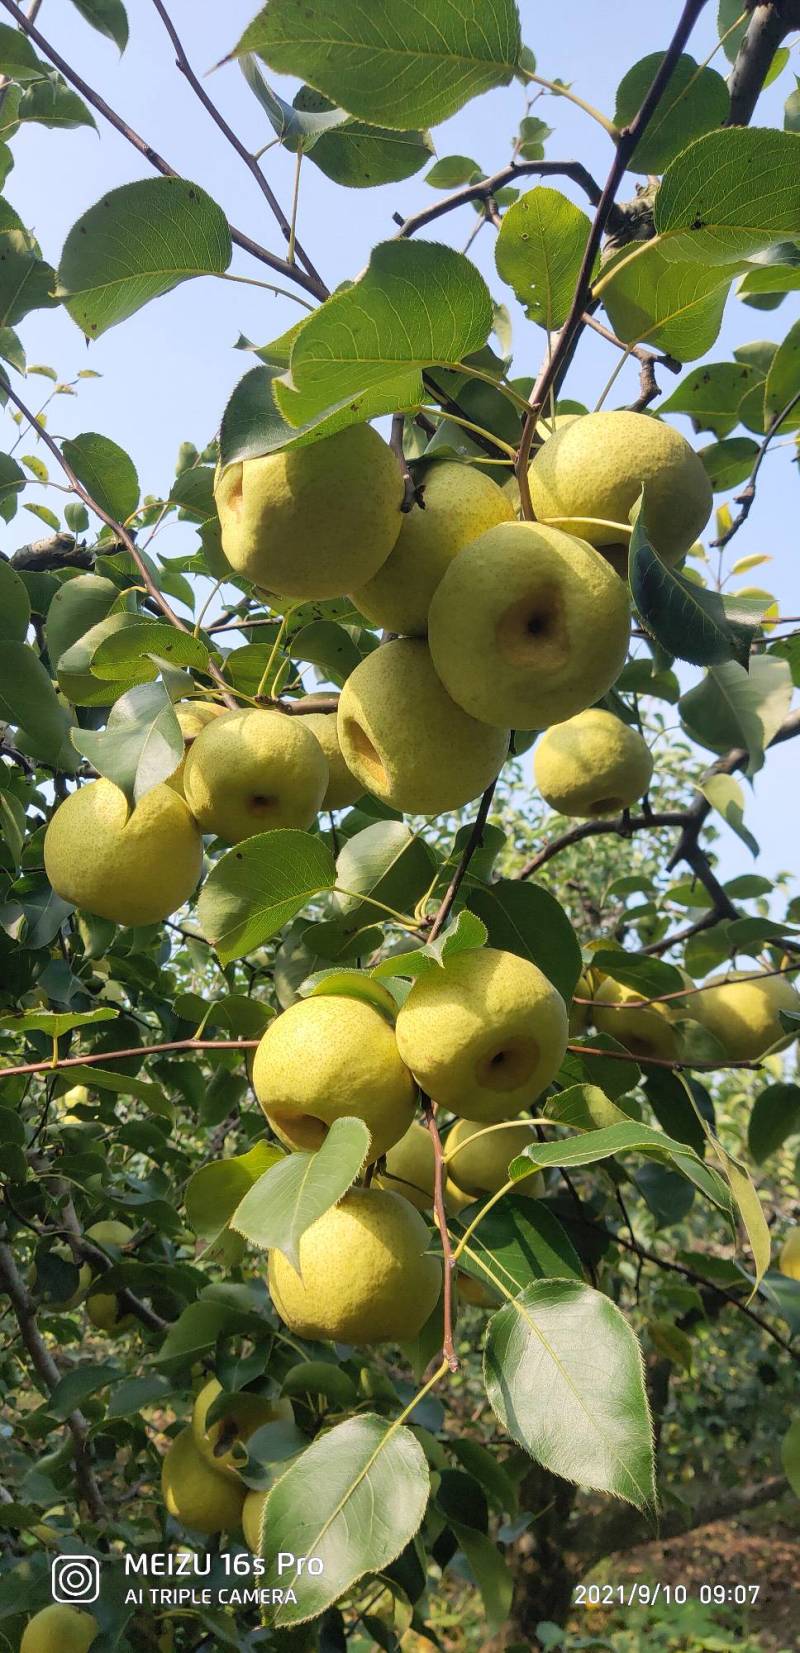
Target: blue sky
[(167, 372)]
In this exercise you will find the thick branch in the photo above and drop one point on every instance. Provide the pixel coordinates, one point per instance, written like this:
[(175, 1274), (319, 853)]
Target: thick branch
[(622, 1528), (59, 551), (768, 27), (44, 1364)]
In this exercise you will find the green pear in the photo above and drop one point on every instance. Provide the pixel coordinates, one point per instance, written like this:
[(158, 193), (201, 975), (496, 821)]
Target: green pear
[(192, 715), (196, 1494), (478, 1157), (407, 740), (789, 1260), (365, 1275), (131, 866), (745, 1015), (460, 502), (649, 1031), (327, 1057), (313, 521), (252, 1517), (102, 1307), (244, 1414), (594, 764), (59, 1629), (253, 771), (410, 1171), (485, 1035), (343, 786), (596, 468), (528, 626)]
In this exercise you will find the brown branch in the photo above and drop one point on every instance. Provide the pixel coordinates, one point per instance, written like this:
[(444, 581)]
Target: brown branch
[(250, 161), (616, 827), (622, 1529), (101, 1263), (486, 189), (573, 326), (413, 495), (768, 27), (657, 1061), (44, 1364), (698, 812), (707, 922), (59, 551), (473, 843), (103, 1057), (292, 271), (439, 1176), (116, 528), (746, 499)]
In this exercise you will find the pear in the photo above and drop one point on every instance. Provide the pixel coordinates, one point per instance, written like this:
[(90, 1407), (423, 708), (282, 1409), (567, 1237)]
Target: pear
[(65, 1255), (59, 1629), (485, 1035), (406, 739), (253, 771), (474, 1292), (131, 866), (327, 1057), (789, 1260), (245, 1414), (195, 1493), (596, 468), (593, 764), (343, 786), (365, 1276), (192, 715), (478, 1157), (312, 521), (528, 626), (650, 1031), (460, 502), (410, 1168), (745, 1015), (102, 1307)]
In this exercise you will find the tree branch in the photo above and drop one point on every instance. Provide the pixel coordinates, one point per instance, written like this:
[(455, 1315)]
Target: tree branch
[(44, 1364), (103, 1057), (473, 843), (59, 551), (83, 1248), (746, 499), (439, 1177), (487, 188), (768, 27)]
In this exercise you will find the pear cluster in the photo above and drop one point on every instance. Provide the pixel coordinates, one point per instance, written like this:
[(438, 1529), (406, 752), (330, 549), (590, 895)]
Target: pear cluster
[(740, 1009), (200, 1481)]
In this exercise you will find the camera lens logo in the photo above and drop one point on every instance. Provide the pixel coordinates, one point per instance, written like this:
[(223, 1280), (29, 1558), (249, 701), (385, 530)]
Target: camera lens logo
[(75, 1579)]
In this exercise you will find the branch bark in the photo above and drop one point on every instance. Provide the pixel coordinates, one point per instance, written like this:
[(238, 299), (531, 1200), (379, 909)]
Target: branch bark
[(622, 1529), (486, 189), (768, 27)]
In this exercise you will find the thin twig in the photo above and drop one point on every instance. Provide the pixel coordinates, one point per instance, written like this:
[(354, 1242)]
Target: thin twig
[(486, 189), (746, 499), (473, 843), (439, 1176), (413, 495), (103, 1057)]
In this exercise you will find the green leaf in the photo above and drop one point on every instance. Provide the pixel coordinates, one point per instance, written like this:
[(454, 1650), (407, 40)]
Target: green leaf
[(526, 919), (77, 1386), (28, 701), (130, 653), (791, 111), (15, 608), (790, 1455), (647, 976), (137, 242), (751, 1211), (564, 1375), (142, 744), (409, 76), (726, 796), (78, 606), (518, 1241), (252, 424), (783, 382), (729, 195), (299, 125), (55, 1024), (52, 103), (695, 101), (259, 886), (732, 23), (214, 1191), (291, 1195), (12, 481), (18, 59), (389, 864), (539, 252), (452, 172), (417, 304), (712, 394), (108, 17), (487, 1470), (729, 463), (583, 1108), (106, 471), (357, 155), (732, 707), (775, 1116), (673, 307), (687, 620), (355, 1498), (321, 1377), (592, 1146), (490, 1570)]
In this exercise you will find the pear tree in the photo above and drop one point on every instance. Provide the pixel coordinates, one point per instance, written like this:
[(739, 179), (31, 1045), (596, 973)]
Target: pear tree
[(398, 1096)]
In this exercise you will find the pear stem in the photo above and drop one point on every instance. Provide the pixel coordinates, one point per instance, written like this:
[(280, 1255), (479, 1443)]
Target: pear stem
[(439, 1175)]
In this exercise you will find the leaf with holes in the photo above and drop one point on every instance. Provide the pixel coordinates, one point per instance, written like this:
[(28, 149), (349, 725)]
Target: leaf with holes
[(539, 252)]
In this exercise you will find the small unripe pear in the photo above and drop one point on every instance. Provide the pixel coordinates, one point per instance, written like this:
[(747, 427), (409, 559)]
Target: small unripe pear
[(131, 866), (313, 521), (245, 1414), (59, 1629), (593, 764), (343, 786), (478, 1157), (195, 1493), (253, 771), (789, 1260)]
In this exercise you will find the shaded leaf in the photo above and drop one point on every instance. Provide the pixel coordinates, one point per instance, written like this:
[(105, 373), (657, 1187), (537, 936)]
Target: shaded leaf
[(526, 919), (694, 102), (292, 1194), (775, 1116), (732, 707), (687, 620), (726, 796), (108, 17), (28, 701), (142, 744)]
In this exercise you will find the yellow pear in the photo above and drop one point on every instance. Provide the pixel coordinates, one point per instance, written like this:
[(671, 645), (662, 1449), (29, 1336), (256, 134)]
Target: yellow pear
[(330, 1056), (485, 1035), (253, 771), (474, 1292), (478, 1157), (59, 1629), (252, 1517), (365, 1276), (744, 1015), (528, 626), (596, 468), (314, 521), (407, 741), (789, 1260), (245, 1414), (460, 502), (102, 1307), (192, 715), (410, 1171), (646, 1032), (580, 1014), (593, 764), (343, 786), (195, 1493), (131, 866)]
